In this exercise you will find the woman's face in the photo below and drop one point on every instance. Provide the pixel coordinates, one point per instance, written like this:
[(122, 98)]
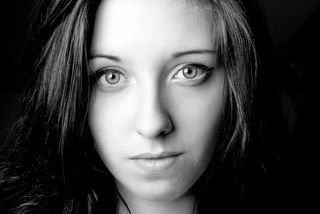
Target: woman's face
[(158, 98)]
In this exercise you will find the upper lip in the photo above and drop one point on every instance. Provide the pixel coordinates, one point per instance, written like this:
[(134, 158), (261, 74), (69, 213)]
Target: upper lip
[(156, 156)]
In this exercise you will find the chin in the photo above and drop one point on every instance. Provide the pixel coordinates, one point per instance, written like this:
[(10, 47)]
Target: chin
[(161, 192)]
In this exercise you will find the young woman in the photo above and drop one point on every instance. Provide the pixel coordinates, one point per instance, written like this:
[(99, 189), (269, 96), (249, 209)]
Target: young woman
[(134, 106)]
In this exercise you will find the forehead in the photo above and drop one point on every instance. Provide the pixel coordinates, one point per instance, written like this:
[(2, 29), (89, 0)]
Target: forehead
[(150, 25)]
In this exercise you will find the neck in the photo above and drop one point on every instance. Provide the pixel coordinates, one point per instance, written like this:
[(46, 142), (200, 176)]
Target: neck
[(183, 205)]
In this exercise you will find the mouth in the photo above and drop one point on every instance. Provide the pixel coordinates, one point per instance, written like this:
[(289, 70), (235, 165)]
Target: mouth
[(156, 163), (150, 156)]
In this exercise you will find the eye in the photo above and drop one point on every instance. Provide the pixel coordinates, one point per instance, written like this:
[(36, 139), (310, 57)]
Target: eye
[(110, 77), (192, 72)]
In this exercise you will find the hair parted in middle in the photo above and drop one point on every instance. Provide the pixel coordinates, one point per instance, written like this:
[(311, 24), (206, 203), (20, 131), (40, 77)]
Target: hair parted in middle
[(55, 122)]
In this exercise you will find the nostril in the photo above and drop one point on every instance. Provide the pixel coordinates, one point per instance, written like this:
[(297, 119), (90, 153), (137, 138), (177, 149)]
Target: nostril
[(152, 116), (155, 127), (168, 129)]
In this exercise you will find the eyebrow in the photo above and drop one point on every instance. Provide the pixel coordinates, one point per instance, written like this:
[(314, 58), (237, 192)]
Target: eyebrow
[(191, 52), (110, 57), (174, 56)]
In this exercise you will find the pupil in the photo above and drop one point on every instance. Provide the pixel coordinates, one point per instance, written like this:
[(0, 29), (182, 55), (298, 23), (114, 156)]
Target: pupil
[(112, 78), (189, 73)]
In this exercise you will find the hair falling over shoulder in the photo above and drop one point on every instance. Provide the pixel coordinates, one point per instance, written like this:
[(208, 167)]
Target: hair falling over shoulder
[(51, 164)]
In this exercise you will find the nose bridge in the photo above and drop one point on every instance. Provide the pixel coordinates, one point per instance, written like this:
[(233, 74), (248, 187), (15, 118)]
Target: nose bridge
[(152, 118)]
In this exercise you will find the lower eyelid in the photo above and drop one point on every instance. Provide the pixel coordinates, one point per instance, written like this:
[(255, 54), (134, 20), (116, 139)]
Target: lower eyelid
[(102, 72), (202, 68)]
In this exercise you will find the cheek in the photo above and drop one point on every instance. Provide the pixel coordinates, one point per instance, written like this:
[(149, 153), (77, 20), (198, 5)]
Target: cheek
[(107, 118), (109, 113), (198, 117), (202, 132)]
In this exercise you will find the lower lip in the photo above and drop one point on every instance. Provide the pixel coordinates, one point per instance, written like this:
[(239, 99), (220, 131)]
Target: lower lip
[(156, 165)]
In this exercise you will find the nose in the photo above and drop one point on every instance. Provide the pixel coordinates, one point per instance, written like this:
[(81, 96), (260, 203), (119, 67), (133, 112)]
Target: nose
[(152, 118)]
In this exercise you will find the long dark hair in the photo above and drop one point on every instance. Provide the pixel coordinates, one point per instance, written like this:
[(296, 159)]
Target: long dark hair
[(50, 163), (53, 166)]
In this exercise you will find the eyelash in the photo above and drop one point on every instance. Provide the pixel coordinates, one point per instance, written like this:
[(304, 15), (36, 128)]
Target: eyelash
[(103, 72), (206, 72)]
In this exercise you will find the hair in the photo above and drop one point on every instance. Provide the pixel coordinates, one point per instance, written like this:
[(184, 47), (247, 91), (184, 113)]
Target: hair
[(52, 165)]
